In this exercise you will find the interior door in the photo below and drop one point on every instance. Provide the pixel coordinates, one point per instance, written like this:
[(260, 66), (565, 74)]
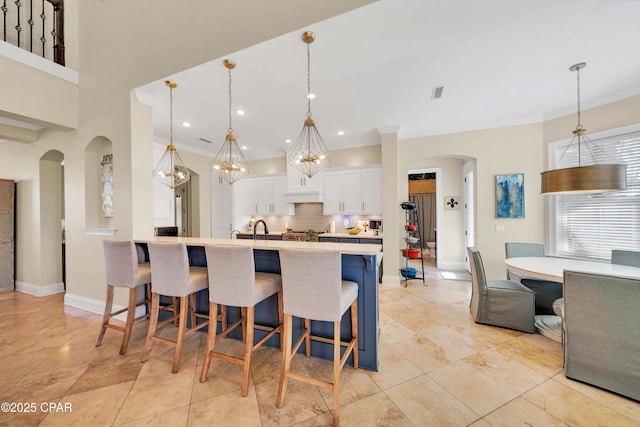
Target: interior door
[(7, 236), (469, 170)]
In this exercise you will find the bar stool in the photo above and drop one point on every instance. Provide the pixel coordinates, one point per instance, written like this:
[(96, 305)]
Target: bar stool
[(313, 289), (123, 270), (233, 281), (172, 276)]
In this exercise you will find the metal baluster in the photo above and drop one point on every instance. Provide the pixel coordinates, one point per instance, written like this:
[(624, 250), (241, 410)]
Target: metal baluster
[(30, 22), (54, 33), (4, 11), (43, 39), (18, 27)]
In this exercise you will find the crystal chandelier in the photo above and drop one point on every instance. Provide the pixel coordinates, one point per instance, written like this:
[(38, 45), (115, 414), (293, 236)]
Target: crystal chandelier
[(309, 154), (170, 170), (597, 178), (229, 164)]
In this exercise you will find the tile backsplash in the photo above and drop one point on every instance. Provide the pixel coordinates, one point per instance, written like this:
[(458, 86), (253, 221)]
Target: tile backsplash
[(310, 216)]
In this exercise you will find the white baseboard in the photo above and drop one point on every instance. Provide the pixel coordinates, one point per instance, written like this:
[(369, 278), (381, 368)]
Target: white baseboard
[(389, 279), (97, 306), (453, 265), (40, 291)]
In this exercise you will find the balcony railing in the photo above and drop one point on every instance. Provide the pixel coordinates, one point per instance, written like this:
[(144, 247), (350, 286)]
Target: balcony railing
[(36, 26)]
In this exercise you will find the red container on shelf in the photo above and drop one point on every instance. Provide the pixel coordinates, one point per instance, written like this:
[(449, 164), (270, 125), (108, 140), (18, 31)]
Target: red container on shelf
[(411, 253), (410, 227)]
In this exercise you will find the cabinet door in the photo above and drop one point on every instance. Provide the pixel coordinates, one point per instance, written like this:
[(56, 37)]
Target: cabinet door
[(372, 191), (250, 195), (279, 188), (265, 196), (352, 192), (221, 211), (297, 181), (332, 193)]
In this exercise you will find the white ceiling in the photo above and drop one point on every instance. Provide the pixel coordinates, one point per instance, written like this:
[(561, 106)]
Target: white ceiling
[(501, 62)]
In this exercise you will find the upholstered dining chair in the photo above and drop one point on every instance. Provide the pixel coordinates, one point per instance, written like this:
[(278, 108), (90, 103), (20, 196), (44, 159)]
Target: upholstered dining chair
[(172, 276), (547, 291), (233, 281), (630, 258), (498, 302), (313, 289), (123, 270)]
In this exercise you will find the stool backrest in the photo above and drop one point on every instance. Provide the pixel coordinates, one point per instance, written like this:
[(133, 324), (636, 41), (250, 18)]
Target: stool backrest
[(231, 274), (121, 262), (311, 283), (516, 249), (169, 268), (630, 258)]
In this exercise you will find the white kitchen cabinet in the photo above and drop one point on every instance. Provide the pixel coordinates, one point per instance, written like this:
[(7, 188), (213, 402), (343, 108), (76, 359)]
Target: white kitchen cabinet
[(297, 181), (265, 196), (372, 191), (227, 208), (353, 191)]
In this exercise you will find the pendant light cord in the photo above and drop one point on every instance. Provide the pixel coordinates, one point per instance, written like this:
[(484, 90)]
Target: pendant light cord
[(230, 130), (308, 80), (170, 115)]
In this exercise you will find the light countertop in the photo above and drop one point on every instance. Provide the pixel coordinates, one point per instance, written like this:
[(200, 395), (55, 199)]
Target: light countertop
[(344, 248), (362, 235)]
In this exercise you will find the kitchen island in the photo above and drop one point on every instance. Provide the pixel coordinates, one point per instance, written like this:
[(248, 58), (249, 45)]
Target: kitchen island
[(360, 264)]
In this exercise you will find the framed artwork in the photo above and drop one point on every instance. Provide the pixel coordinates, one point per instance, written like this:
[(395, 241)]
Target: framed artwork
[(510, 196)]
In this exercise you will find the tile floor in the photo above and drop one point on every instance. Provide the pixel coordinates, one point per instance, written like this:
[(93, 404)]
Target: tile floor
[(437, 367)]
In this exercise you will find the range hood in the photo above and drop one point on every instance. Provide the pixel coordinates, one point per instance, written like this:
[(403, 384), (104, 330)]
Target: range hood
[(303, 196)]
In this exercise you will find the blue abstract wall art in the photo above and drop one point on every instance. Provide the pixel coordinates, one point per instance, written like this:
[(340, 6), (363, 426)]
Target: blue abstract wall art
[(510, 196)]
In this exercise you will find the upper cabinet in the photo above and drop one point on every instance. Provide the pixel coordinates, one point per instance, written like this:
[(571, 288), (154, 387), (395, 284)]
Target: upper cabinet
[(353, 191), (265, 196), (297, 181)]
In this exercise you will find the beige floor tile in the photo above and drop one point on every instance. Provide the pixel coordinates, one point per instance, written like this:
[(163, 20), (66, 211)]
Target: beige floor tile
[(425, 402), (575, 408), (624, 405), (392, 331), (302, 402), (394, 369), (455, 345), (176, 417), (157, 393), (226, 410), (422, 353), (15, 366), (535, 351), (520, 412), (44, 386), (97, 407), (377, 409)]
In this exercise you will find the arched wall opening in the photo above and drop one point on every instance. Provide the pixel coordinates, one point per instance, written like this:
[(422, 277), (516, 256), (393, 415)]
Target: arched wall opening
[(52, 215)]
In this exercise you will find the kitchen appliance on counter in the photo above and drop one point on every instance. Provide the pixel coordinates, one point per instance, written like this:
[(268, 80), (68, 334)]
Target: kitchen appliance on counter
[(375, 224)]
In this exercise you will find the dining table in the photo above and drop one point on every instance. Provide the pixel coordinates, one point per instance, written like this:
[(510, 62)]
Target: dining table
[(552, 268)]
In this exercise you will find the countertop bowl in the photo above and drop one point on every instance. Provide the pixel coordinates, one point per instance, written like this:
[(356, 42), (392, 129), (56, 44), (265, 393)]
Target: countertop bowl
[(354, 231)]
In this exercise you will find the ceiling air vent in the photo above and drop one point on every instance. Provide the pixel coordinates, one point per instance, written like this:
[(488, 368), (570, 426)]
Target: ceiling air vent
[(437, 92)]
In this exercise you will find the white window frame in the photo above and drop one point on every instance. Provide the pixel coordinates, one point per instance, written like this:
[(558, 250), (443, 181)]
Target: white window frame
[(553, 205)]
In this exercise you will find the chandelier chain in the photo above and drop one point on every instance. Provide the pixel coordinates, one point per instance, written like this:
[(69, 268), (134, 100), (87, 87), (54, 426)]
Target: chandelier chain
[(308, 80), (230, 100), (170, 115), (578, 92)]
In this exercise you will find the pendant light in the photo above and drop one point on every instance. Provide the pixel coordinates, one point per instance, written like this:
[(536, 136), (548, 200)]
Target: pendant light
[(598, 178), (229, 164), (309, 154), (170, 170)]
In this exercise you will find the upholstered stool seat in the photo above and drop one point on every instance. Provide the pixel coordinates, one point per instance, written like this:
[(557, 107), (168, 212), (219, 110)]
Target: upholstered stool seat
[(172, 276), (313, 289), (233, 281), (123, 270)]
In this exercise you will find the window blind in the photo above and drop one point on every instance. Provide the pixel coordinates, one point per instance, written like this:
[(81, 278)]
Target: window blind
[(591, 225)]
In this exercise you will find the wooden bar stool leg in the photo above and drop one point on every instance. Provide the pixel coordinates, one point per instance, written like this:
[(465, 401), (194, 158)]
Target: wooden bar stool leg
[(131, 313), (211, 340), (336, 373), (354, 332), (281, 318), (307, 340), (153, 325), (286, 360), (182, 327), (106, 316), (192, 309), (248, 350)]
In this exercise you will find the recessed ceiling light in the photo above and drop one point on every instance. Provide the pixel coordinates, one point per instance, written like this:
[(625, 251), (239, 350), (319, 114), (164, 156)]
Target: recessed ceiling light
[(241, 112), (186, 124), (311, 95), (436, 92), (244, 147), (340, 132), (288, 141)]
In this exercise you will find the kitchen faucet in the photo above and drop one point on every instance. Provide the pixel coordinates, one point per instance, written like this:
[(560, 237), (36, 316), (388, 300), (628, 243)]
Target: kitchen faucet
[(233, 231), (255, 227)]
